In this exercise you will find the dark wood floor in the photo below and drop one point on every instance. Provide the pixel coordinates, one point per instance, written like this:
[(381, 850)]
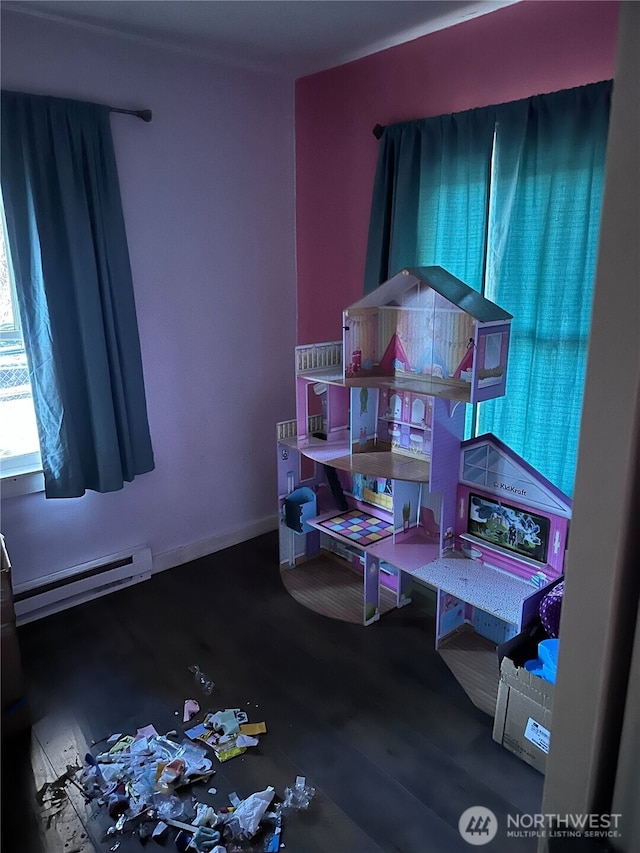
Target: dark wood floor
[(372, 717)]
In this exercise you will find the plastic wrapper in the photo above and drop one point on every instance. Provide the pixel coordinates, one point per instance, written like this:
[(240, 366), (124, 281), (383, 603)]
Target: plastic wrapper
[(205, 684), (298, 796), (194, 756), (143, 786), (171, 806)]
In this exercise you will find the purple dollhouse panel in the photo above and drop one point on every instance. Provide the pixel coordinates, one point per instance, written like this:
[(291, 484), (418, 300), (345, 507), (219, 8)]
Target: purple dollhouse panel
[(406, 505), (448, 429), (489, 371), (371, 588), (288, 467), (364, 418), (451, 613), (302, 408)]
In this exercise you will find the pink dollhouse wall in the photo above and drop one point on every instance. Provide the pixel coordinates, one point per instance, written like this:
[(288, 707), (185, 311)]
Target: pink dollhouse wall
[(338, 407), (518, 51)]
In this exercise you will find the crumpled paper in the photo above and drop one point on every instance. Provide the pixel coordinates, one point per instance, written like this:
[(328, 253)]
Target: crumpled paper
[(251, 811)]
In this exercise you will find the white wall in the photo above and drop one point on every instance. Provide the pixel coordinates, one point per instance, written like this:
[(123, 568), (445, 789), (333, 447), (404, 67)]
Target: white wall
[(208, 196)]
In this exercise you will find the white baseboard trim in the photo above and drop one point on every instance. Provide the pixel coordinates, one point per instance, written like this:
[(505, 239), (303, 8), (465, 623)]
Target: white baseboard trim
[(195, 550), (79, 584)]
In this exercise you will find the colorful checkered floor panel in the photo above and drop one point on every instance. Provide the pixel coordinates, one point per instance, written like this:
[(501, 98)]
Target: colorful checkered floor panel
[(359, 527)]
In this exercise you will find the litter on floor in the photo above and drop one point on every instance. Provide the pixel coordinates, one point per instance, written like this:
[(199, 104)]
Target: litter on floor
[(144, 782)]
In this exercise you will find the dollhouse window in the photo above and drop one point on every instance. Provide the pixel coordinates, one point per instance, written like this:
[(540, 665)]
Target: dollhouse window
[(417, 411), (475, 465), (493, 351)]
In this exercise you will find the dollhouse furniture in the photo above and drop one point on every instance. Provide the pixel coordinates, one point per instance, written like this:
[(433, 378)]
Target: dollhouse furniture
[(387, 417), (512, 527), (383, 411)]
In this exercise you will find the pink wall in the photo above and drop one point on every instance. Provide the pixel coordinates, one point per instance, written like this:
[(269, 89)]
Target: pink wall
[(521, 50)]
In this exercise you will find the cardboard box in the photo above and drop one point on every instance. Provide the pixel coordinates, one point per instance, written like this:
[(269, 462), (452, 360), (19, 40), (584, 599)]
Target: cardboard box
[(522, 723)]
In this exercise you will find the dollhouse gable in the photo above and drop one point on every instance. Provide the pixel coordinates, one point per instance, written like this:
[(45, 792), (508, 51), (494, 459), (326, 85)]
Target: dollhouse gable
[(489, 464), (410, 288), (508, 514), (426, 323)]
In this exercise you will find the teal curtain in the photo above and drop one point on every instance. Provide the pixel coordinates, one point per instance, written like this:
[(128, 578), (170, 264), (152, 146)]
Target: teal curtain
[(546, 194), (507, 198), (431, 197), (75, 294)]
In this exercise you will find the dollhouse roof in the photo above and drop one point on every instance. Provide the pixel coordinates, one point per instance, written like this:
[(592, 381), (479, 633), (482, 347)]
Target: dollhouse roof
[(490, 464), (407, 289)]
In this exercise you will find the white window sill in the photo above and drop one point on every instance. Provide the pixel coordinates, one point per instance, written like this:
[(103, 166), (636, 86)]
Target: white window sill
[(16, 481)]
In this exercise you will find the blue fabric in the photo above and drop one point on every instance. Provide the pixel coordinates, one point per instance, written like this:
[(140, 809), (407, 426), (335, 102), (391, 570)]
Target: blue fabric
[(73, 280), (431, 196), (507, 198), (543, 239)]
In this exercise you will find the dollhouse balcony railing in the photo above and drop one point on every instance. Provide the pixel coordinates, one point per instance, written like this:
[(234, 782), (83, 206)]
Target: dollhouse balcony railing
[(318, 356), (289, 429)]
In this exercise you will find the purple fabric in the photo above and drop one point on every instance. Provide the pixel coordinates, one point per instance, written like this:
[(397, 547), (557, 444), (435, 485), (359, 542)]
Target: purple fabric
[(550, 608)]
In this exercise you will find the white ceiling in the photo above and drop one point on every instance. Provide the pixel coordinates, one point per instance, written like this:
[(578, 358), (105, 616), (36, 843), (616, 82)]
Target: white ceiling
[(295, 37)]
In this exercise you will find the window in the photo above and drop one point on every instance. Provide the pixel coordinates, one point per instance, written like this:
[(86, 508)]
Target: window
[(69, 262), (507, 198), (19, 447)]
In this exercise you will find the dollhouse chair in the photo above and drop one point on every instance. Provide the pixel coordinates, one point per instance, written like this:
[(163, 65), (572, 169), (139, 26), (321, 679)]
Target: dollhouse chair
[(415, 442), (429, 523)]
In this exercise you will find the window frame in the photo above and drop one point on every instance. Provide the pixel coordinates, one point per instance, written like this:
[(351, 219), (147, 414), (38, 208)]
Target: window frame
[(21, 473)]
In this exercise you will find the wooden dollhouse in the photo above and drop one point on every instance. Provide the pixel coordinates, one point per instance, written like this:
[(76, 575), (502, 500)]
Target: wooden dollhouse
[(376, 464)]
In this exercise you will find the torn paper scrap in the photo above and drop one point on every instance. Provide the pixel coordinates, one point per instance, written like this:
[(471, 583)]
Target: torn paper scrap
[(253, 728), (223, 721), (191, 708), (147, 732)]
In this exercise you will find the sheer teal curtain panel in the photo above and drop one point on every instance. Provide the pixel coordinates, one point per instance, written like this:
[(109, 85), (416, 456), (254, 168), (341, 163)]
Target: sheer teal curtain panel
[(507, 198), (75, 293), (431, 196), (544, 221)]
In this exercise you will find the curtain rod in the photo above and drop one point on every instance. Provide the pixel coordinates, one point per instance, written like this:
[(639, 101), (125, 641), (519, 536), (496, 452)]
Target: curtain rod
[(145, 115), (379, 129)]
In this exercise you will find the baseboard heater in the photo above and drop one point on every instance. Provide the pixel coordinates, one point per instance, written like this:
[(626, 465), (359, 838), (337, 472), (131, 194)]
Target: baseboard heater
[(61, 590)]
